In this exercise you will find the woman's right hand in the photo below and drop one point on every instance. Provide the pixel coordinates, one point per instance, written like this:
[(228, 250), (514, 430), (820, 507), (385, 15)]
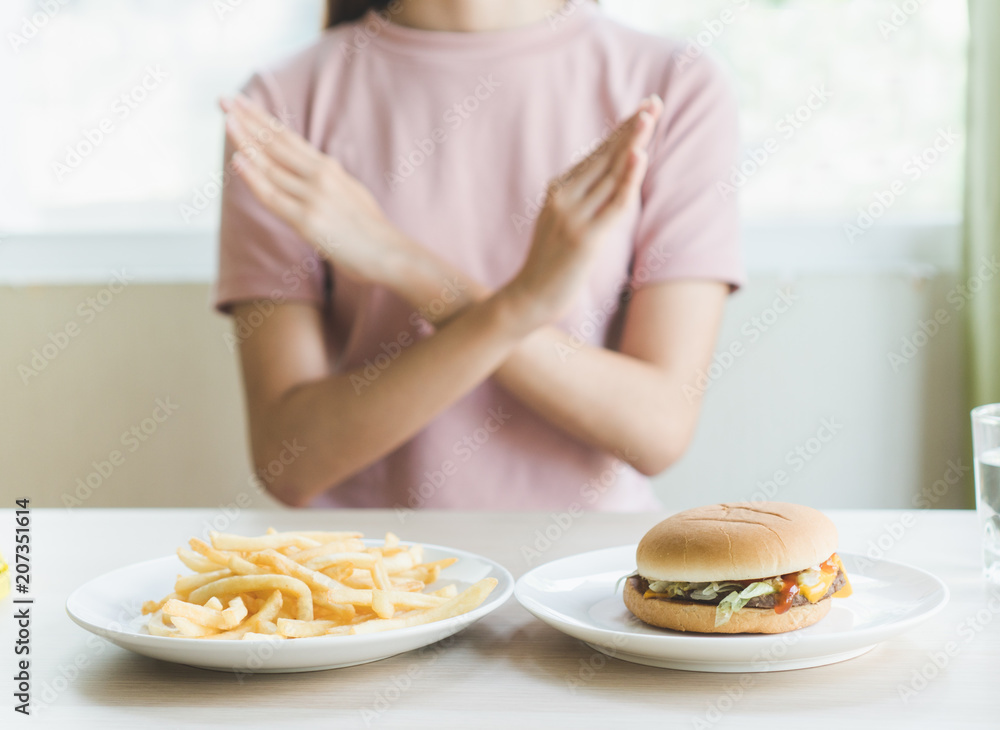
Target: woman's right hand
[(580, 208)]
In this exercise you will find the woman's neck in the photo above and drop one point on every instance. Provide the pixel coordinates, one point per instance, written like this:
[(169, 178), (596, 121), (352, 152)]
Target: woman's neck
[(471, 16)]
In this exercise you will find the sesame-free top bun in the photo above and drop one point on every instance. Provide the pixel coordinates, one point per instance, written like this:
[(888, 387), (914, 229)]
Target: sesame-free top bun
[(736, 541), (693, 616)]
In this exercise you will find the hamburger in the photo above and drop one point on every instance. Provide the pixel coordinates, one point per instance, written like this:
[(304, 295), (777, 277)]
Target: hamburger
[(757, 568)]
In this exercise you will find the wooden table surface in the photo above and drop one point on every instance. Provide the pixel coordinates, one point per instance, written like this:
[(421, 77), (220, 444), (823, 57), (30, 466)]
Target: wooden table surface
[(508, 670)]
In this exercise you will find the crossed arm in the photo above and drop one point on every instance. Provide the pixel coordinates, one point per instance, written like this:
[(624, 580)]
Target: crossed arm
[(629, 402)]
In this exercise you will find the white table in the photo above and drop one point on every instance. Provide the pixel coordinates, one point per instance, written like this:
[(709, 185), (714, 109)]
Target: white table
[(509, 670)]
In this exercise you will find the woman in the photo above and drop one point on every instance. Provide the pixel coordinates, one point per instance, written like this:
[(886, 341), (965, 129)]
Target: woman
[(444, 295)]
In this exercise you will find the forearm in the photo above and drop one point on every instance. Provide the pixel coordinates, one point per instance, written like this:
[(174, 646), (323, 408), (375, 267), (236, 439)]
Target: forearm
[(614, 402), (608, 400), (343, 427)]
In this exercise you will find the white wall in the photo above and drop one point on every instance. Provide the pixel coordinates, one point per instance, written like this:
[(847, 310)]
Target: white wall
[(826, 360)]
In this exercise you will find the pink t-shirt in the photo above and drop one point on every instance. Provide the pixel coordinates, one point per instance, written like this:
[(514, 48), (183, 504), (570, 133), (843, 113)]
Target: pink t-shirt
[(456, 135)]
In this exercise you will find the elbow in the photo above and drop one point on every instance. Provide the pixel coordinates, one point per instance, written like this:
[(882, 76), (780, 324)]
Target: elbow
[(656, 462), (282, 480), (287, 494), (659, 454)]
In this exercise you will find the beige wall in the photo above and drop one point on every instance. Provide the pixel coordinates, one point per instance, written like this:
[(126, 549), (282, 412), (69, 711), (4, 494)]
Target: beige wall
[(824, 358), (148, 343)]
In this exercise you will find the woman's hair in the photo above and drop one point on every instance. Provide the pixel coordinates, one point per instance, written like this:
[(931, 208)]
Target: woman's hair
[(341, 11)]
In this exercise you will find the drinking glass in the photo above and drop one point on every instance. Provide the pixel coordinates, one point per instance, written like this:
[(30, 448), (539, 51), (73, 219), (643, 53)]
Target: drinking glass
[(986, 451)]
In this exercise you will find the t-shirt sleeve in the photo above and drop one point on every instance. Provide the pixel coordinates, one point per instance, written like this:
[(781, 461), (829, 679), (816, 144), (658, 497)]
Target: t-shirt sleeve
[(260, 257), (689, 223)]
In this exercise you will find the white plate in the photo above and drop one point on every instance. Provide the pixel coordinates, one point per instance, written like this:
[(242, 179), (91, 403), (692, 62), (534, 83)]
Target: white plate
[(110, 606), (580, 596)]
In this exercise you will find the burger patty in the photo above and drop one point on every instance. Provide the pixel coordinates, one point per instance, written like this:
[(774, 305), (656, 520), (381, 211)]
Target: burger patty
[(768, 601)]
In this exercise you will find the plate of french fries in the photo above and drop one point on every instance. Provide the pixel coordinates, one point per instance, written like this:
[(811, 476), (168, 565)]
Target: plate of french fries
[(290, 601)]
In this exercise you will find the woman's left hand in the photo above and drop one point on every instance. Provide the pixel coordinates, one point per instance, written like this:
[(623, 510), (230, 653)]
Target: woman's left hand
[(313, 193)]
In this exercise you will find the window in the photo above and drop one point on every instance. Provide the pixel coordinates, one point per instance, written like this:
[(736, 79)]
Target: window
[(855, 96), (116, 125), (117, 122)]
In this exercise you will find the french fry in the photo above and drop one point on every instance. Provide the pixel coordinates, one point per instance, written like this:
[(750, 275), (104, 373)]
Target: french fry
[(205, 615), (259, 623), (219, 557), (358, 560), (238, 583), (294, 629), (196, 562), (301, 584), (381, 605), (157, 627), (286, 565), (153, 606), (190, 629), (380, 578), (398, 562), (449, 591), (462, 603), (398, 598), (352, 545), (188, 583)]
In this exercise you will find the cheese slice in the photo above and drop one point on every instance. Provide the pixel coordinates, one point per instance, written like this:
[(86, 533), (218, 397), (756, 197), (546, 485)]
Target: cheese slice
[(817, 590), (814, 592), (846, 589), (4, 579)]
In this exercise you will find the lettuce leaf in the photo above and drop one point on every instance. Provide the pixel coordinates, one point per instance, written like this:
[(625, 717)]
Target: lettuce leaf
[(670, 588), (709, 591), (738, 599)]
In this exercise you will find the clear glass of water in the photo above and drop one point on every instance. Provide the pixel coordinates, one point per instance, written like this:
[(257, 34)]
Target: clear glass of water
[(986, 449)]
